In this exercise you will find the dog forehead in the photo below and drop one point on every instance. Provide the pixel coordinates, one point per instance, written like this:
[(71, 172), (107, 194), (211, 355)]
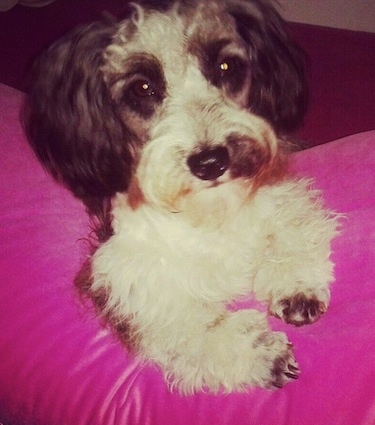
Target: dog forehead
[(157, 33), (208, 20), (176, 35)]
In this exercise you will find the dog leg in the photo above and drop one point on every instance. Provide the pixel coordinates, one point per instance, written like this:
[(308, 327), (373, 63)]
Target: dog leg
[(297, 271), (221, 351)]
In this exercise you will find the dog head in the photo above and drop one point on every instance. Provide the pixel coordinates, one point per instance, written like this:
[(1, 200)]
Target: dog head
[(176, 102)]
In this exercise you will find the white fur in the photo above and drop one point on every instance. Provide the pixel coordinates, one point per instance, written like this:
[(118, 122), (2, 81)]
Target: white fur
[(186, 248), (174, 281)]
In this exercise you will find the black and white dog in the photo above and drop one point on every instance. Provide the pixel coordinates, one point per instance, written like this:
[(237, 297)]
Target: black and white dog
[(170, 126)]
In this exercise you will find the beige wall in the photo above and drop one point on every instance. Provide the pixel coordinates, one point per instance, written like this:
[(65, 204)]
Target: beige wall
[(356, 15)]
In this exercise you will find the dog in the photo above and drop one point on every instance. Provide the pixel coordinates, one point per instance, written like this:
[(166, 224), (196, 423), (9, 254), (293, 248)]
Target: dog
[(171, 126)]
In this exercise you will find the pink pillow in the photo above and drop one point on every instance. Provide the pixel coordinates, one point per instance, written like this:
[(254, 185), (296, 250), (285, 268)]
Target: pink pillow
[(59, 366)]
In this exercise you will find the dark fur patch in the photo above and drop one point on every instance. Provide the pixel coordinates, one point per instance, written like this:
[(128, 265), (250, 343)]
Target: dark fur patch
[(212, 61), (73, 124), (141, 87), (124, 331), (247, 157), (278, 85)]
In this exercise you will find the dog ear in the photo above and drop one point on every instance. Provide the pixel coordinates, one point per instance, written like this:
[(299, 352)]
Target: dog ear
[(71, 121), (278, 88)]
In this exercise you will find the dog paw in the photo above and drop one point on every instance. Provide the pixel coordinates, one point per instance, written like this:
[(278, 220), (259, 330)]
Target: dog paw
[(283, 366), (284, 369), (235, 352), (300, 309)]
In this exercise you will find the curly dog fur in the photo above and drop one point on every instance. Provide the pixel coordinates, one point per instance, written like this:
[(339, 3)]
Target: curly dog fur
[(170, 126)]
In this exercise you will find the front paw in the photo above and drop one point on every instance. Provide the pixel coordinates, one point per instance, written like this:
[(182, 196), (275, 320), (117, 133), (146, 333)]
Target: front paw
[(300, 309), (234, 353), (284, 368)]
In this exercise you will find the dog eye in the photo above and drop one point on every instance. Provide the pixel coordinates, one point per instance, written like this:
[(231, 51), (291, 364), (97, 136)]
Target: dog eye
[(229, 66), (226, 68), (142, 88), (142, 95)]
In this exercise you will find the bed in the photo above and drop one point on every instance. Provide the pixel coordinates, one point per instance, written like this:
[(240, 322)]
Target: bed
[(60, 366)]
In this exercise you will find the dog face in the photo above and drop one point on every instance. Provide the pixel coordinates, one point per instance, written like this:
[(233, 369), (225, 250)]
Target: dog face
[(169, 103)]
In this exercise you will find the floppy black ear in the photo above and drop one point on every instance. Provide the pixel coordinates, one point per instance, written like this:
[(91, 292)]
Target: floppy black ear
[(71, 121), (278, 89)]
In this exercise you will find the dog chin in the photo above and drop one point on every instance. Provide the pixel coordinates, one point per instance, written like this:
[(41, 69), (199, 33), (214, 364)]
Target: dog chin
[(212, 206), (208, 205)]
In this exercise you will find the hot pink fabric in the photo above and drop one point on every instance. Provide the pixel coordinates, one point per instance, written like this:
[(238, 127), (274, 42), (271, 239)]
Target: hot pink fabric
[(58, 366)]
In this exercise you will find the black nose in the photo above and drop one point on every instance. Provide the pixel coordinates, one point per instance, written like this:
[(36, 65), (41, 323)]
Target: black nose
[(209, 164)]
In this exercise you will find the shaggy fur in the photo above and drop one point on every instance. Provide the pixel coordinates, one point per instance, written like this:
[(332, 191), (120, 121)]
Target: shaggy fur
[(169, 125)]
